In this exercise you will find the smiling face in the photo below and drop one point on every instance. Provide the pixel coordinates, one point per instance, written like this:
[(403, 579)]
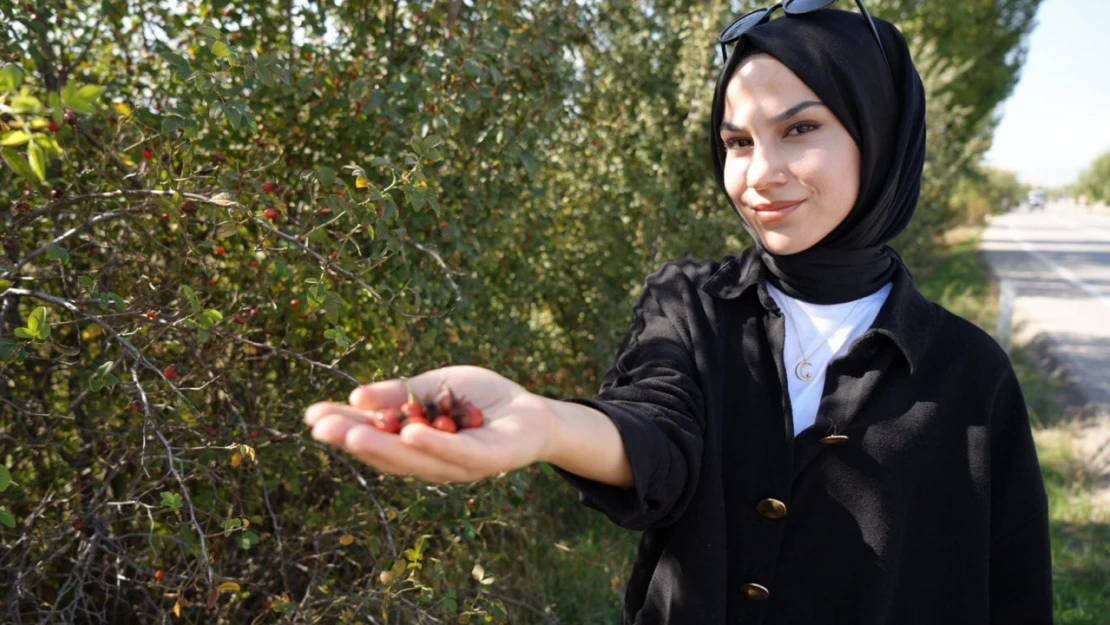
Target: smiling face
[(791, 168)]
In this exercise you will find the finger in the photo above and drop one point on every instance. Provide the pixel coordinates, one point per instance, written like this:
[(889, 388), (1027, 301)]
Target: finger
[(459, 449), (314, 413), (417, 449), (333, 429), (368, 444), (393, 393)]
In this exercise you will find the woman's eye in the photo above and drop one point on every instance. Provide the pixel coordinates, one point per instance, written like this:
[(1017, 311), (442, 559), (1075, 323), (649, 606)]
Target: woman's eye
[(736, 143), (803, 128)]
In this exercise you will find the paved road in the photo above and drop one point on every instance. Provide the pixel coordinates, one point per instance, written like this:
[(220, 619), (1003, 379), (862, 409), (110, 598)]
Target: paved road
[(1058, 260)]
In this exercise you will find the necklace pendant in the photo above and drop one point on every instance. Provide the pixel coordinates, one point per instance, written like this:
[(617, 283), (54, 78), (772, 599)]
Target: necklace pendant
[(802, 371)]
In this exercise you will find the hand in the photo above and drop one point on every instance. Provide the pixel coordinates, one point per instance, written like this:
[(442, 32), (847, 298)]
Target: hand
[(517, 432)]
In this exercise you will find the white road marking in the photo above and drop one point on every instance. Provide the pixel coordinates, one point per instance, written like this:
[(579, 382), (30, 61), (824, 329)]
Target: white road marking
[(1063, 272)]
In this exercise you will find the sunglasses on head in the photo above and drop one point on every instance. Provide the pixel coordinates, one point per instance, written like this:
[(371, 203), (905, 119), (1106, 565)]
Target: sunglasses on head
[(791, 7)]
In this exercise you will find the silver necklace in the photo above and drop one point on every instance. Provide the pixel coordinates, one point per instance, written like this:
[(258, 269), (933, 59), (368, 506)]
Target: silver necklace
[(803, 369)]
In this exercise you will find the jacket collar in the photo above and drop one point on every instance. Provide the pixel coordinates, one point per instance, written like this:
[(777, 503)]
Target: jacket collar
[(907, 318)]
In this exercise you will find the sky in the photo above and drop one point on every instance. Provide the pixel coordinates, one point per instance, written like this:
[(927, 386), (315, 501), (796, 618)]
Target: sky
[(1058, 118)]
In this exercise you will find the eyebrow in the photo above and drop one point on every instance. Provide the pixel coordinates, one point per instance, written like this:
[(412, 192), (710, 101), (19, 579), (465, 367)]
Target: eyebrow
[(727, 126)]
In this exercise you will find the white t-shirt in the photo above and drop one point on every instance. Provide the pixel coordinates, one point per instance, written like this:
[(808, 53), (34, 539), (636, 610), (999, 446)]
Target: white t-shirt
[(812, 322)]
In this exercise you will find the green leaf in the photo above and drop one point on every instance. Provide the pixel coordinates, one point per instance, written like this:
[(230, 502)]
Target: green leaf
[(184, 70), (38, 161), (248, 539), (14, 138), (19, 164), (48, 143), (209, 31), (11, 76), (472, 69), (73, 98), (171, 123), (56, 112), (194, 301), (91, 93), (5, 478), (86, 282), (10, 350), (37, 324), (7, 519), (326, 176), (26, 104), (332, 302), (57, 252), (171, 500), (227, 229), (221, 50), (232, 115), (4, 284), (209, 318)]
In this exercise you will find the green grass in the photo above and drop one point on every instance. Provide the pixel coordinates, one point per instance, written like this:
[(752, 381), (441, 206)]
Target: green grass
[(1080, 531)]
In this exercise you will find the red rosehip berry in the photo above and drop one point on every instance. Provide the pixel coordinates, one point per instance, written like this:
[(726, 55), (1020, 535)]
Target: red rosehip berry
[(446, 403), (170, 372), (165, 216), (135, 406), (269, 187), (271, 213), (70, 117), (254, 264), (160, 575), (472, 502), (471, 416), (504, 508), (188, 207), (53, 126), (445, 424), (388, 420), (294, 303), (148, 153), (152, 314), (413, 409), (325, 212), (254, 436), (220, 250), (211, 283)]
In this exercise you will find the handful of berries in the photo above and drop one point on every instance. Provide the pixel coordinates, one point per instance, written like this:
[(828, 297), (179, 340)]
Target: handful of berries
[(444, 412)]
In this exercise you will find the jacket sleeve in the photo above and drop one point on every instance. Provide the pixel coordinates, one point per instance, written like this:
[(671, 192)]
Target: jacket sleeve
[(1020, 550), (652, 395)]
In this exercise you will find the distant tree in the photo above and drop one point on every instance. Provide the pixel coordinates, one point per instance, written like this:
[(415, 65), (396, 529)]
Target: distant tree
[(1094, 181)]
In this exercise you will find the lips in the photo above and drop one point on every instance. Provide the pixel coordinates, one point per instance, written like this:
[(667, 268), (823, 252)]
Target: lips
[(774, 211)]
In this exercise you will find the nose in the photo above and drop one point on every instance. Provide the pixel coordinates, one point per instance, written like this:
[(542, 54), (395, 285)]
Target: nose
[(766, 168)]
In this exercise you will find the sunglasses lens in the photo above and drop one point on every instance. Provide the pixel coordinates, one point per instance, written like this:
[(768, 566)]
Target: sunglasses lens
[(742, 25), (798, 7)]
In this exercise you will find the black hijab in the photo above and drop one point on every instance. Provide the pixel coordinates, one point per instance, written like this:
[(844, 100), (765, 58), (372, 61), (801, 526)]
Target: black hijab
[(835, 54)]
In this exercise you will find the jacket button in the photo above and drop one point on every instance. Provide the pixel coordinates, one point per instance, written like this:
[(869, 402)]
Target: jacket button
[(771, 508), (834, 439), (755, 592)]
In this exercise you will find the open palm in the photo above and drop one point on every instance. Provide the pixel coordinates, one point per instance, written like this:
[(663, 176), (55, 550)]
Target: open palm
[(517, 431)]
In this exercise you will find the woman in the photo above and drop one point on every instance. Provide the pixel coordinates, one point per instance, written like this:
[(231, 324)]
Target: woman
[(799, 433)]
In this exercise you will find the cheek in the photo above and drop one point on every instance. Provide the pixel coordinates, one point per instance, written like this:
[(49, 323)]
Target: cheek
[(735, 175), (831, 173)]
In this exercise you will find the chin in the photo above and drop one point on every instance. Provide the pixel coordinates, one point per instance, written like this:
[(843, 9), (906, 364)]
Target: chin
[(781, 246)]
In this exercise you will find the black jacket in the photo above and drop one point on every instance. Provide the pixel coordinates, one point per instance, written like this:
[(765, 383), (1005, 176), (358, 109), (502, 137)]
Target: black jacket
[(915, 498)]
